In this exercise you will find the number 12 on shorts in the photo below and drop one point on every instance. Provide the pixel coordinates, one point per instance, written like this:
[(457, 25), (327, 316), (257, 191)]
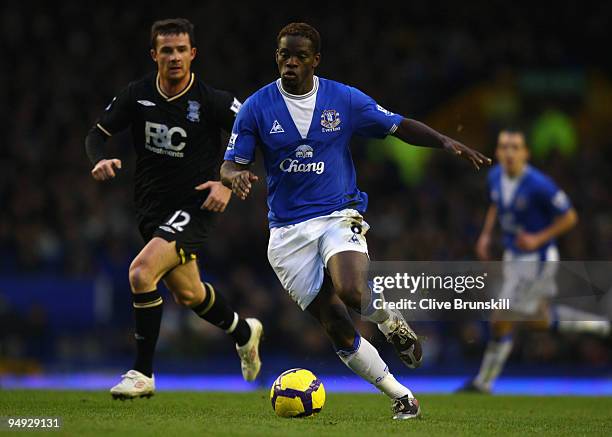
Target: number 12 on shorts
[(178, 220)]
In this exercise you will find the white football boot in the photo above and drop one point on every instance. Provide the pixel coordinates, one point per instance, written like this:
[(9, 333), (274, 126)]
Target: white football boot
[(134, 385), (249, 352)]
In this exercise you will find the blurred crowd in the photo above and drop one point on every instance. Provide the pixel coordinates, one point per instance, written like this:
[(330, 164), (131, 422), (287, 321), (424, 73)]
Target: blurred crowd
[(69, 59)]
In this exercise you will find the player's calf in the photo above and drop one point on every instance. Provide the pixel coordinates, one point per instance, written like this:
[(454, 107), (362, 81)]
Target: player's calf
[(188, 297), (351, 285), (148, 309), (214, 308), (350, 290), (246, 333), (333, 316)]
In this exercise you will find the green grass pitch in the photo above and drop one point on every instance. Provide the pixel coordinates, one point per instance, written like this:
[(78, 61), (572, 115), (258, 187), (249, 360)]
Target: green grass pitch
[(173, 414)]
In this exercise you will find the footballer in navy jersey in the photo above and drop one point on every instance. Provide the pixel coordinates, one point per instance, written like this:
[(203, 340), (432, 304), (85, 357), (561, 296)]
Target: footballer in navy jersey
[(176, 122), (176, 139), (303, 126)]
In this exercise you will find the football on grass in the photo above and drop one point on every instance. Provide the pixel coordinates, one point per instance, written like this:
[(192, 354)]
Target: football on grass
[(297, 393)]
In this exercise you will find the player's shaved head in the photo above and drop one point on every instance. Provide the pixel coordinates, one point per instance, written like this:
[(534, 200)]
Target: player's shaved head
[(305, 31), (172, 26)]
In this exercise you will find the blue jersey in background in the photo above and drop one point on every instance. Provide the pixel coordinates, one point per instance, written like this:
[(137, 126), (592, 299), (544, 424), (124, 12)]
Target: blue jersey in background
[(532, 206)]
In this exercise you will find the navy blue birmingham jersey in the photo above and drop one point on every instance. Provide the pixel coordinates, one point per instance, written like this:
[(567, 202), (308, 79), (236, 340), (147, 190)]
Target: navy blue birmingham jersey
[(533, 206), (177, 140), (310, 171)]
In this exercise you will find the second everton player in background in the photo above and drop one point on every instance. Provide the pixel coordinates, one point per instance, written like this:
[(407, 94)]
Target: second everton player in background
[(532, 212), (176, 122), (303, 125)]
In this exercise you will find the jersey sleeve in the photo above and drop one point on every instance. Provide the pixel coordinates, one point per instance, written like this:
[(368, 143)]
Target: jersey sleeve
[(553, 198), (244, 137), (117, 115), (225, 108), (370, 119)]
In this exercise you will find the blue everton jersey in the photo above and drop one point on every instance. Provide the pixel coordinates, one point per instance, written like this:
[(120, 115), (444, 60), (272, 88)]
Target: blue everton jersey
[(309, 174), (533, 206)]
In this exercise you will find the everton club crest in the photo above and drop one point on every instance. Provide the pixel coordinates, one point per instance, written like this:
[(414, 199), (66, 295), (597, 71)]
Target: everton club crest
[(330, 120), (193, 111)]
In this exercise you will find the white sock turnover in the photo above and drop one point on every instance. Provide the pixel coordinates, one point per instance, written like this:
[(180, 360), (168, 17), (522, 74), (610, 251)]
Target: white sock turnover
[(365, 361)]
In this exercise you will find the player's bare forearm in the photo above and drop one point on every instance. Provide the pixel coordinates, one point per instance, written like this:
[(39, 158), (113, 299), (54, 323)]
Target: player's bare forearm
[(484, 241), (490, 218), (238, 177), (561, 225), (419, 134)]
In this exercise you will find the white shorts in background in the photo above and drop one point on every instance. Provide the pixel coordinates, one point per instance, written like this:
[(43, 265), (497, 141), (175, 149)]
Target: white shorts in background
[(298, 253), (528, 280)]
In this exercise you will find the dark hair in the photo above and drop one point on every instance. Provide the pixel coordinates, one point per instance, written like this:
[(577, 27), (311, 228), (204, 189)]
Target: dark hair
[(515, 130), (303, 30), (172, 26)]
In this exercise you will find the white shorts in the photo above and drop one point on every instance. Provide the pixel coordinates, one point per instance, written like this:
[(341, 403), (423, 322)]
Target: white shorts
[(528, 281), (298, 253)]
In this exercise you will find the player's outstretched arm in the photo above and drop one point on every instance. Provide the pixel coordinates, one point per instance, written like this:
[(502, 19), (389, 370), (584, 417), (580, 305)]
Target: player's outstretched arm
[(238, 177), (419, 134), (103, 169)]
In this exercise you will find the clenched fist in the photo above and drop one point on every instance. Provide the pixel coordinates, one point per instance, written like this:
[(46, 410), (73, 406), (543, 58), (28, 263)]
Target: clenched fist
[(105, 169)]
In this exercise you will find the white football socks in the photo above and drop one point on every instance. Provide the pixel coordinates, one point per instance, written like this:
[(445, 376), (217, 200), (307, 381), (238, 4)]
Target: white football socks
[(365, 361), (570, 320), (495, 357)]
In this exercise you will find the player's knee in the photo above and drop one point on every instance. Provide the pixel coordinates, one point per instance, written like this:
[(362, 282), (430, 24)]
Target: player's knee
[(142, 277)]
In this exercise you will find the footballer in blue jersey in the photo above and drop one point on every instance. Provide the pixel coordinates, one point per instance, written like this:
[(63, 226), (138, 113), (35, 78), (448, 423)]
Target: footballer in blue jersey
[(303, 125), (533, 212)]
